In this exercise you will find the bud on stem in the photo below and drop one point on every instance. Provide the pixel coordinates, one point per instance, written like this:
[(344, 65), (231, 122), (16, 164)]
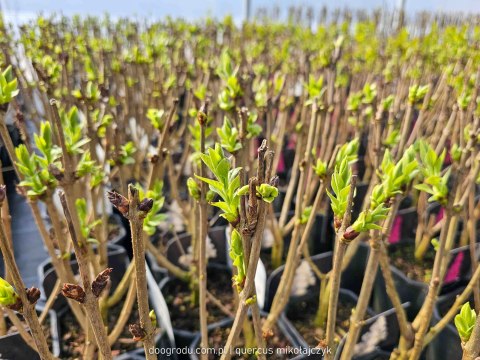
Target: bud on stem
[(74, 292), (101, 281), (119, 201)]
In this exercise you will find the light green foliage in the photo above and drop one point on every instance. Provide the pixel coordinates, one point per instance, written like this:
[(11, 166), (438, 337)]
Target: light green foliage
[(253, 129), (348, 151), (226, 183), (102, 124), (87, 166), (465, 321), (8, 86), (315, 88), (464, 99), (86, 225), (394, 177), (51, 68), (320, 168), (195, 131), (236, 254), (388, 102), (416, 93), (305, 215), (36, 179), (44, 143), (434, 183), (73, 131), (154, 217), (228, 135), (267, 192), (354, 101), (153, 318), (261, 96), (126, 153), (8, 296), (201, 92), (369, 93), (193, 188), (91, 92), (228, 74), (368, 219), (156, 118), (392, 139), (341, 188), (456, 152)]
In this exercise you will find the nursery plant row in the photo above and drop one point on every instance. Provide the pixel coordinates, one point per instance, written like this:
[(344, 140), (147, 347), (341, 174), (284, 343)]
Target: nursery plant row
[(267, 190)]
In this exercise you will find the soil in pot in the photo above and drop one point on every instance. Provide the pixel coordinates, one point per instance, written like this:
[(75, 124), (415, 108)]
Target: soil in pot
[(403, 257), (458, 272), (301, 314), (178, 297), (218, 337)]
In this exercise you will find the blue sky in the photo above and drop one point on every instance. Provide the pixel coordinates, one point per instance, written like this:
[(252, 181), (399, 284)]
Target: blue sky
[(192, 9)]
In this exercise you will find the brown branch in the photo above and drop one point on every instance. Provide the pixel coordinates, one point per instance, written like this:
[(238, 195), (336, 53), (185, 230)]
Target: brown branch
[(91, 302)]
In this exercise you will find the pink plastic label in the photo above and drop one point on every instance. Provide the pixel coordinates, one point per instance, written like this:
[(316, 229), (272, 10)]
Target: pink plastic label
[(396, 230), (281, 164), (440, 215), (453, 272)]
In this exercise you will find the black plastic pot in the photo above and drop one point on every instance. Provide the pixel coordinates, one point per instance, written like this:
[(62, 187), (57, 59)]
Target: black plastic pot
[(413, 291), (12, 346), (443, 304), (408, 290), (345, 296), (117, 259), (283, 326), (183, 337), (120, 239), (446, 345), (351, 279), (177, 247), (439, 212), (288, 157), (379, 349), (321, 237)]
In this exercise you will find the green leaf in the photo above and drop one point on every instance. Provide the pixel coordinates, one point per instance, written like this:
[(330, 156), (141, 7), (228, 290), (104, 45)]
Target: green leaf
[(267, 192), (8, 296), (465, 321)]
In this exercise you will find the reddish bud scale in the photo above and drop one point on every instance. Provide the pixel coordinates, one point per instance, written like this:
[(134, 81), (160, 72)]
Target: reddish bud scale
[(145, 205), (18, 306), (137, 332), (33, 294), (119, 201), (350, 234), (74, 292), (101, 281)]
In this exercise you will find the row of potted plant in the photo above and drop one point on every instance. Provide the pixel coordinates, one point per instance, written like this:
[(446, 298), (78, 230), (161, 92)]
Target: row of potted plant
[(197, 177)]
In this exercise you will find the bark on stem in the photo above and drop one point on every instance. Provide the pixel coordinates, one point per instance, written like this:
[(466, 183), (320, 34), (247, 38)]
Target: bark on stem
[(249, 287), (28, 312), (136, 217), (341, 247), (367, 284), (202, 248), (91, 301)]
